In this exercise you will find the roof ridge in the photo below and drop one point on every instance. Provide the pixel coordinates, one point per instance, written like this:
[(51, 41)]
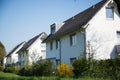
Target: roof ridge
[(85, 10), (30, 42), (73, 24), (15, 48)]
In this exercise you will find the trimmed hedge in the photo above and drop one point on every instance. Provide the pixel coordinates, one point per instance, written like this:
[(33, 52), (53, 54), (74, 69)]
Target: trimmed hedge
[(80, 67), (37, 69), (1, 68), (103, 68)]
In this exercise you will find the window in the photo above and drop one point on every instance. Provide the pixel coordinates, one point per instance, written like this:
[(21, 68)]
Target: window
[(109, 13), (57, 61), (118, 38), (57, 44), (73, 39), (51, 46), (72, 60)]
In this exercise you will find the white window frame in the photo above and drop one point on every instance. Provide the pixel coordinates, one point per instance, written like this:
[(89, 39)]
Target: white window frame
[(51, 46), (110, 14), (73, 39), (118, 37), (57, 44)]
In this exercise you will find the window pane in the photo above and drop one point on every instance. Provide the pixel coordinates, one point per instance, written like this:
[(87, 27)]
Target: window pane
[(72, 39), (51, 46), (57, 44), (109, 12), (118, 37)]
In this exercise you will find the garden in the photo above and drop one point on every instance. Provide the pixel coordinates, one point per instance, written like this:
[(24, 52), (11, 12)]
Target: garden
[(81, 69)]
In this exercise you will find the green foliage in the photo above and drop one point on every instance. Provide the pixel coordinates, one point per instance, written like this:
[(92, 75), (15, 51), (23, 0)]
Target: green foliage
[(12, 70), (37, 69), (102, 68), (9, 76), (9, 69), (2, 53), (80, 67), (1, 68)]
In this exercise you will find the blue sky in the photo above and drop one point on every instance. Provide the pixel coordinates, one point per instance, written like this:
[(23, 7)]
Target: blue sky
[(20, 20)]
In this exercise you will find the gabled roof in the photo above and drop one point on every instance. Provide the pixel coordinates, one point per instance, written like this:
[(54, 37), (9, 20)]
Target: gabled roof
[(16, 47), (31, 41), (77, 21)]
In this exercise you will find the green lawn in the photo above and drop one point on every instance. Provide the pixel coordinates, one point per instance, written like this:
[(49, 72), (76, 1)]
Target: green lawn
[(9, 76)]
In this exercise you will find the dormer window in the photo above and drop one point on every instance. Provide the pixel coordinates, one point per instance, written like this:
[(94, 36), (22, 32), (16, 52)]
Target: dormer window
[(109, 12), (52, 28)]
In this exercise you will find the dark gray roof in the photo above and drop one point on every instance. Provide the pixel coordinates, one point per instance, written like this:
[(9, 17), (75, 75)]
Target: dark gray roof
[(14, 49), (77, 21), (31, 41), (118, 4)]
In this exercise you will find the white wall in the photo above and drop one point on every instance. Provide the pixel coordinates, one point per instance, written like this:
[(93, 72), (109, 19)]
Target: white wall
[(101, 33), (34, 52), (13, 58), (67, 51)]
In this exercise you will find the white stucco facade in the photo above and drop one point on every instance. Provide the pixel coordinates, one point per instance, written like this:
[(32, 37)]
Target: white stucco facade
[(35, 52), (100, 32), (13, 57), (67, 51)]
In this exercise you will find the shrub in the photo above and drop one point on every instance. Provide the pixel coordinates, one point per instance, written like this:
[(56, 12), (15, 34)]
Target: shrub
[(1, 68), (80, 67), (42, 69), (46, 68), (37, 69), (70, 71), (64, 70), (97, 68), (9, 69)]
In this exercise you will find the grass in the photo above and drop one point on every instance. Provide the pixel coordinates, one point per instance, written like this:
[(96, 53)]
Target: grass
[(9, 76), (2, 74)]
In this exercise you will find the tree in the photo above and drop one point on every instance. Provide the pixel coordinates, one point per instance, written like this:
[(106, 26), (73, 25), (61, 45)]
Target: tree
[(2, 53), (35, 56)]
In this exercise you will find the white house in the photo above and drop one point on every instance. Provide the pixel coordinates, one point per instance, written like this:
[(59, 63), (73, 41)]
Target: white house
[(95, 32), (12, 56), (33, 50)]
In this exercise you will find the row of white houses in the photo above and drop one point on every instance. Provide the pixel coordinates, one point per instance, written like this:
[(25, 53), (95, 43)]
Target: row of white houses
[(95, 32), (28, 52)]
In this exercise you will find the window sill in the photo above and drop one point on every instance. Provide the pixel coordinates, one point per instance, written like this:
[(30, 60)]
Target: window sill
[(110, 19)]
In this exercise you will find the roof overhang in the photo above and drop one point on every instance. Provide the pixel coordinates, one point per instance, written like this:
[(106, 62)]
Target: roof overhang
[(118, 4)]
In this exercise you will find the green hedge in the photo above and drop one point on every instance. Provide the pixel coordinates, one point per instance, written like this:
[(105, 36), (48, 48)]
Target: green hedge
[(37, 69), (80, 67), (1, 68), (103, 68)]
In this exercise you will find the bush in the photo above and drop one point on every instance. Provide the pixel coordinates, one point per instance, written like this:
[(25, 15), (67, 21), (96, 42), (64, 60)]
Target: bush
[(70, 71), (37, 69), (80, 67), (97, 68), (12, 70), (1, 68), (9, 69), (42, 69), (64, 70)]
